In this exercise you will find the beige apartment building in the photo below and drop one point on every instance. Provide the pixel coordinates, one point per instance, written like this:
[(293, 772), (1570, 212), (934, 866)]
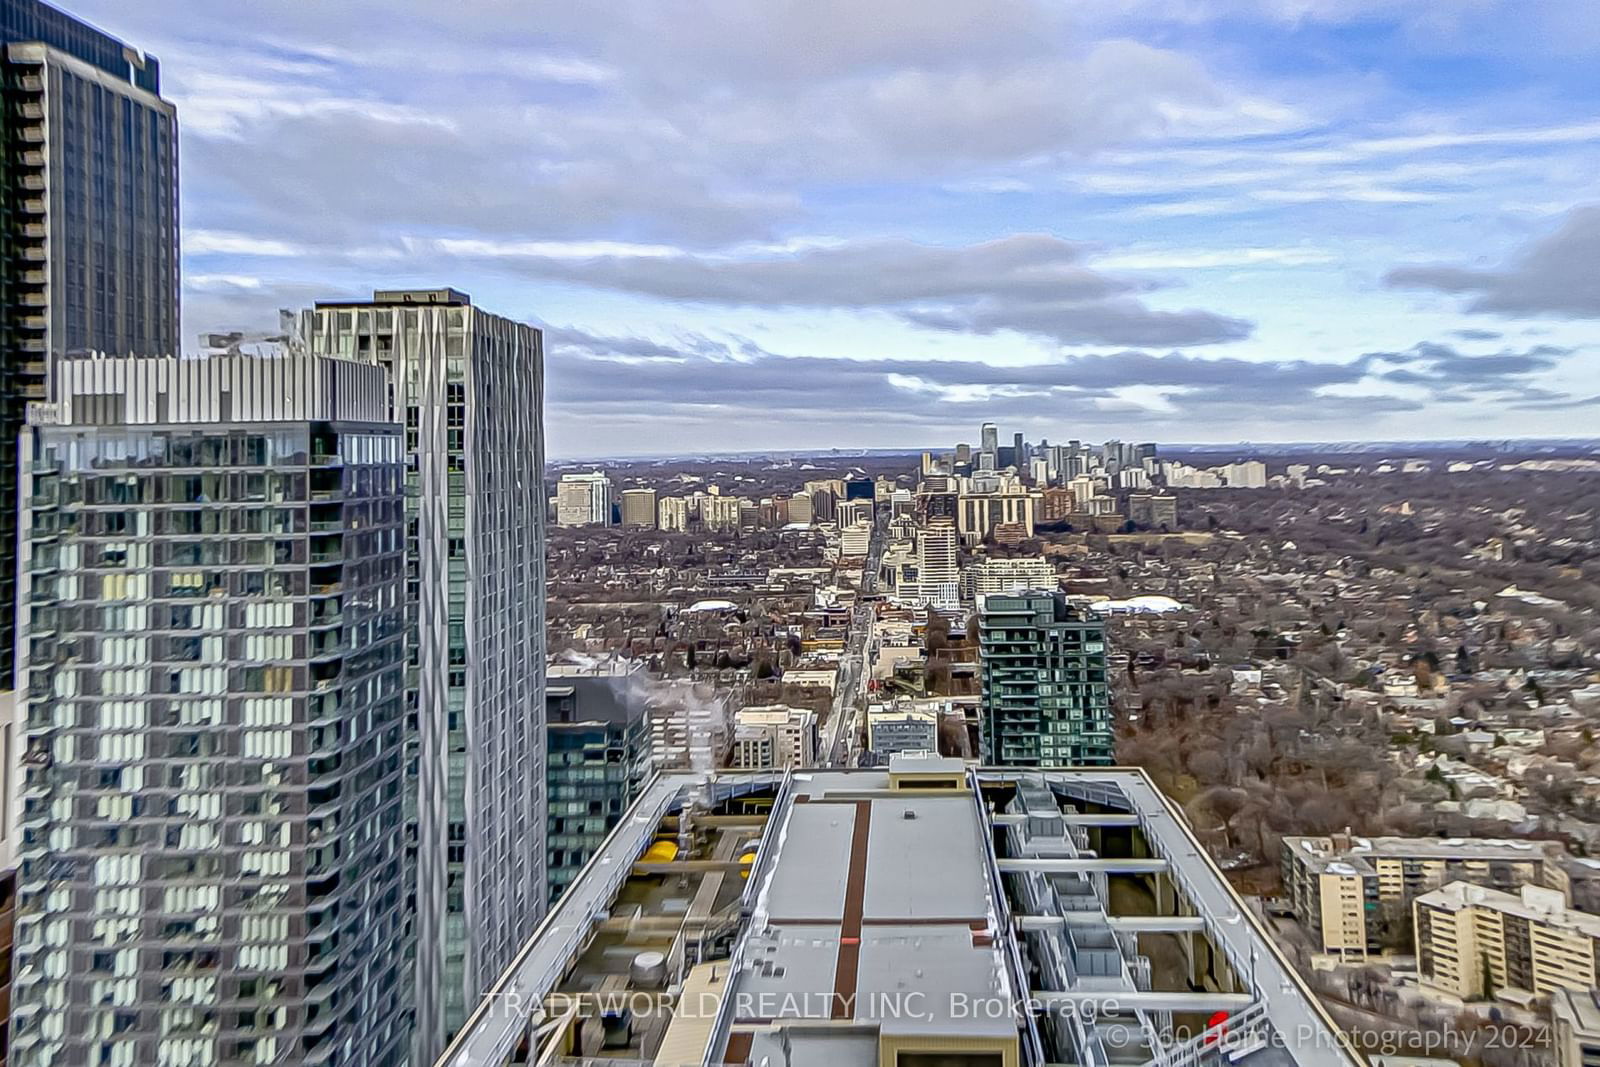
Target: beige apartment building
[(1476, 942), (1575, 1027), (639, 508), (774, 735), (1343, 888)]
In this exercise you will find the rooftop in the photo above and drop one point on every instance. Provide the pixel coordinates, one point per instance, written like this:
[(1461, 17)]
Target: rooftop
[(1533, 902), (1018, 917), (1344, 855)]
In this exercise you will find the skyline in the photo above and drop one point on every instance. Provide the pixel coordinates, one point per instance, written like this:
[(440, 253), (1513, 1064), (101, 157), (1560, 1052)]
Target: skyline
[(1213, 222)]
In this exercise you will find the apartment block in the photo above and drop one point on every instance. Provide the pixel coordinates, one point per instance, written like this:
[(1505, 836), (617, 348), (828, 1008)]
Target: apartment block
[(691, 726), (584, 499), (1474, 942), (893, 729), (855, 539), (469, 389), (938, 567), (673, 512), (989, 576), (1343, 888), (599, 761), (1575, 1027), (1046, 698), (639, 508), (774, 735), (213, 863), (978, 514), (89, 234)]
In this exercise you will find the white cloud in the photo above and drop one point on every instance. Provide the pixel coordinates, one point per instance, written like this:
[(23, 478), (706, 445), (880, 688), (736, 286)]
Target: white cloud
[(219, 242), (1200, 259)]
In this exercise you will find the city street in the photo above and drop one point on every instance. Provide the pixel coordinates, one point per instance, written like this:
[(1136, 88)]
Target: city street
[(850, 693)]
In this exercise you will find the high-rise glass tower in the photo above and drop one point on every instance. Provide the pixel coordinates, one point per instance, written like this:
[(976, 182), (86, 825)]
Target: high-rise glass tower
[(88, 221), (1046, 698), (469, 387), (213, 839), (599, 761)]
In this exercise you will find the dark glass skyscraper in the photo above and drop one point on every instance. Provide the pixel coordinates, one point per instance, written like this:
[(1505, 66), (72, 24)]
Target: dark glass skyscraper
[(88, 221)]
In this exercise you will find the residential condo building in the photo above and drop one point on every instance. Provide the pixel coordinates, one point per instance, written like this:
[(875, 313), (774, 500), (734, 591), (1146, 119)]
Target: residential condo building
[(989, 576), (469, 388), (584, 499), (774, 735), (599, 761), (213, 861), (89, 233), (1346, 890), (1474, 942), (639, 508), (1046, 699)]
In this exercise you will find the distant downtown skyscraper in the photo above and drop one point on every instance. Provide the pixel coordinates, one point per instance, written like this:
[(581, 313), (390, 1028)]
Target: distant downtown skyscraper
[(213, 862), (89, 228), (469, 387)]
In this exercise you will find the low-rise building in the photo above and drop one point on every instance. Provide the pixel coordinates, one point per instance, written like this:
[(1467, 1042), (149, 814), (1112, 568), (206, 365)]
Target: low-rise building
[(896, 728), (774, 736)]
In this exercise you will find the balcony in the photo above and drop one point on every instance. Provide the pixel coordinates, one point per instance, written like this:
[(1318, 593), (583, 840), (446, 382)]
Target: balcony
[(327, 651)]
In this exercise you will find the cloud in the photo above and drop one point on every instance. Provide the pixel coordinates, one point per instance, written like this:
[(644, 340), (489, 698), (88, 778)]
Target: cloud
[(331, 178), (1033, 284), (736, 386), (697, 382), (1121, 321), (1557, 274), (698, 121), (222, 302), (1450, 374)]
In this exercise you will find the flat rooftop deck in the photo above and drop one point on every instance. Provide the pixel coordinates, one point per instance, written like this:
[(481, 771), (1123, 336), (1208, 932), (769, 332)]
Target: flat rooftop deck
[(871, 913)]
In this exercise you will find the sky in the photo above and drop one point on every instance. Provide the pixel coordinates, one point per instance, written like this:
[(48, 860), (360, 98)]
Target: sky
[(835, 223)]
